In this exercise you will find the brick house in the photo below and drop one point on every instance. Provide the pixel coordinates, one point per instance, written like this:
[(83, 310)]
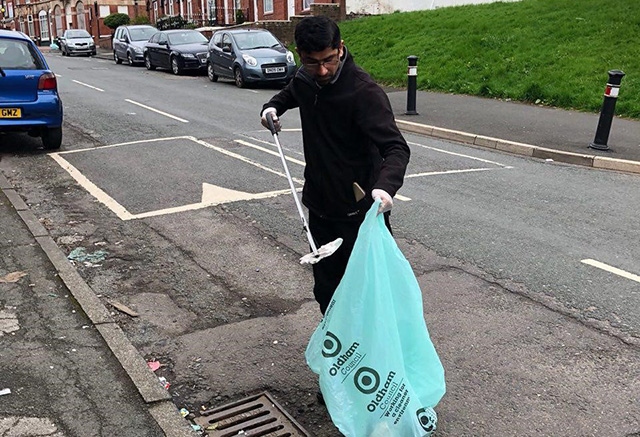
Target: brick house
[(44, 20)]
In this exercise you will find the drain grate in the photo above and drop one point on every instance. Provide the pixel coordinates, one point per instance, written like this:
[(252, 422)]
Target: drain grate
[(255, 416)]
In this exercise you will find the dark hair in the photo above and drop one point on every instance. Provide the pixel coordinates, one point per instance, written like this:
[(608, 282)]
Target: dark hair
[(317, 33)]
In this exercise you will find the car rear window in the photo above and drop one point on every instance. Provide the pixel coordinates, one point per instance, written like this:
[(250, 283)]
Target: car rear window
[(142, 33), (255, 40), (19, 55), (186, 37)]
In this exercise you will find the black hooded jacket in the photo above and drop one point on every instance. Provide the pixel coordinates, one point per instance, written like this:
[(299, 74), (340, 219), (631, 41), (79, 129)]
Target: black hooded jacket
[(349, 135)]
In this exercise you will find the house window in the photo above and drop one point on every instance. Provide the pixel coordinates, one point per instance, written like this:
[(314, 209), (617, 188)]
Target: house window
[(44, 26), (123, 10), (268, 6), (80, 13), (189, 9), (170, 7), (57, 12), (104, 10), (32, 31), (306, 4)]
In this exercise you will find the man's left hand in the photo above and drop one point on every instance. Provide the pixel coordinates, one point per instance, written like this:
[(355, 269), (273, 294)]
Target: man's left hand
[(386, 201)]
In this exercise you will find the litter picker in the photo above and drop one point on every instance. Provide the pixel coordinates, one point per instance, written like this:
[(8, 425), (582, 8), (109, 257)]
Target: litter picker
[(317, 253)]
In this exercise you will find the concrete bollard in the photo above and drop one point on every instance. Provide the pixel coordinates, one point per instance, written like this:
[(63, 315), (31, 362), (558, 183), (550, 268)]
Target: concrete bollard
[(607, 111), (412, 85)]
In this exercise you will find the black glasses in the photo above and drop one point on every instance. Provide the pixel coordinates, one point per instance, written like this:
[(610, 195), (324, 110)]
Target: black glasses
[(314, 64)]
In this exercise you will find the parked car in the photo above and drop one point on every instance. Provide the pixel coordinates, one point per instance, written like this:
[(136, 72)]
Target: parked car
[(129, 42), (177, 50), (29, 100), (249, 56), (77, 41)]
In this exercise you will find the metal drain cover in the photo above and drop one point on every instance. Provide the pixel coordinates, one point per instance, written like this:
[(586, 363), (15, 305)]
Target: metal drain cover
[(255, 416)]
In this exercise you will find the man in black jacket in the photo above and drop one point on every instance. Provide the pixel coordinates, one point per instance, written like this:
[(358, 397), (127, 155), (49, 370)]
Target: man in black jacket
[(349, 136)]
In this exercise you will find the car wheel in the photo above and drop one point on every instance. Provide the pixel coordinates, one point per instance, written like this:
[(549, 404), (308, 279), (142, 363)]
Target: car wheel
[(52, 138), (147, 62), (212, 76), (175, 65), (237, 75), (94, 53), (116, 58), (130, 59)]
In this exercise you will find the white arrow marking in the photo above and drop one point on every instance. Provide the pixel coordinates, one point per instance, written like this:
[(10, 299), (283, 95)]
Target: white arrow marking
[(215, 194)]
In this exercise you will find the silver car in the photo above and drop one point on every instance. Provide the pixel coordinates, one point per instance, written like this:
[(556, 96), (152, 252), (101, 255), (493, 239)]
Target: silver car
[(77, 42), (249, 56), (129, 42)]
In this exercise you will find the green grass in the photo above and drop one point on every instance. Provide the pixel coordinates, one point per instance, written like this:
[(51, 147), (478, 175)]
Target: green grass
[(550, 52)]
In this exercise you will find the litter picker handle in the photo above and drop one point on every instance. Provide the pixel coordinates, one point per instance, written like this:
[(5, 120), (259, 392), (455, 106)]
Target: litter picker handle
[(305, 225), (272, 126)]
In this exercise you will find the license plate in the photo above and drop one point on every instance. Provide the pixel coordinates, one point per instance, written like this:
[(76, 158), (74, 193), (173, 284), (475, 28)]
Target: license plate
[(10, 113), (274, 70)]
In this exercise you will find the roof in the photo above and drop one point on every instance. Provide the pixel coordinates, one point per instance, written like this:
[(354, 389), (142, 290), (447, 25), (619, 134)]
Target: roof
[(129, 26), (177, 30), (254, 29), (13, 34)]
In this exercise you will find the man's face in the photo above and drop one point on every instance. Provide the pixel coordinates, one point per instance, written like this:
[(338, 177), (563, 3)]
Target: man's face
[(322, 66)]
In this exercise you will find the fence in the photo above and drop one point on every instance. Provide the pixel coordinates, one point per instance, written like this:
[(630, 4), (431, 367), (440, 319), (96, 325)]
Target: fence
[(215, 17)]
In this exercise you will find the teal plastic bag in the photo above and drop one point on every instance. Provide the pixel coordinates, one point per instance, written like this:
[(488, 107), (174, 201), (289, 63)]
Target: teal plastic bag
[(379, 372)]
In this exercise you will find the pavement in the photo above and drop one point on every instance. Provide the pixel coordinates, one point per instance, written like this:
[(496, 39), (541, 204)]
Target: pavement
[(74, 342)]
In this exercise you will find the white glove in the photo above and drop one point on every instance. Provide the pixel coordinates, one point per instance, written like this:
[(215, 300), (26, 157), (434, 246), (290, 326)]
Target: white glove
[(274, 117), (386, 201)]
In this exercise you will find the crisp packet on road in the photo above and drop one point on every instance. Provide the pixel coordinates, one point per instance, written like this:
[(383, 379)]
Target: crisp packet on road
[(380, 375)]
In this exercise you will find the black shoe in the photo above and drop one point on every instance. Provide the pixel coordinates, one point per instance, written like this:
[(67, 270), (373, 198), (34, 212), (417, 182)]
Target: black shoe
[(320, 398)]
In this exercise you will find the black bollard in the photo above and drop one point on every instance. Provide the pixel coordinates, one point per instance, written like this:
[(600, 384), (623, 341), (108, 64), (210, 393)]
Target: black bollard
[(412, 85), (606, 113)]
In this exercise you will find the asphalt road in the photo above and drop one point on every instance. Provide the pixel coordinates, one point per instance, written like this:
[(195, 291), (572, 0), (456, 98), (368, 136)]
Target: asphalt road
[(498, 242), (533, 222)]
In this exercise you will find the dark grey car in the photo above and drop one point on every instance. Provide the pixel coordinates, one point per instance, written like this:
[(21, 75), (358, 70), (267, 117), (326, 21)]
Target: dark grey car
[(249, 56), (129, 42), (177, 50)]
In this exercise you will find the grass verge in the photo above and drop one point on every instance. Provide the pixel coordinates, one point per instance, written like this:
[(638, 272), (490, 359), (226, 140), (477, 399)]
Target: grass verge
[(549, 52)]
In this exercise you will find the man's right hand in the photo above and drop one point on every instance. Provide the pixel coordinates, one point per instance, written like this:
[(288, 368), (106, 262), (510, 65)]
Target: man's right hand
[(274, 116)]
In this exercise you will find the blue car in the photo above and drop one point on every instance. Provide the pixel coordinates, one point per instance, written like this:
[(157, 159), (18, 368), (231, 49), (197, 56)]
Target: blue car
[(29, 100)]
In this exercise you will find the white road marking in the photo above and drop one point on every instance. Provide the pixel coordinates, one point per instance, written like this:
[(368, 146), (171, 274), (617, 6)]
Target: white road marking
[(296, 161), (153, 140), (611, 269), (242, 158), (432, 173), (270, 152), (157, 110), (87, 85), (211, 194), (460, 155), (92, 188), (211, 202)]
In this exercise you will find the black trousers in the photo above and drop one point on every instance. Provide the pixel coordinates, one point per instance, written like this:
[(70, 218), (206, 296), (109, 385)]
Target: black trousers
[(328, 272)]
